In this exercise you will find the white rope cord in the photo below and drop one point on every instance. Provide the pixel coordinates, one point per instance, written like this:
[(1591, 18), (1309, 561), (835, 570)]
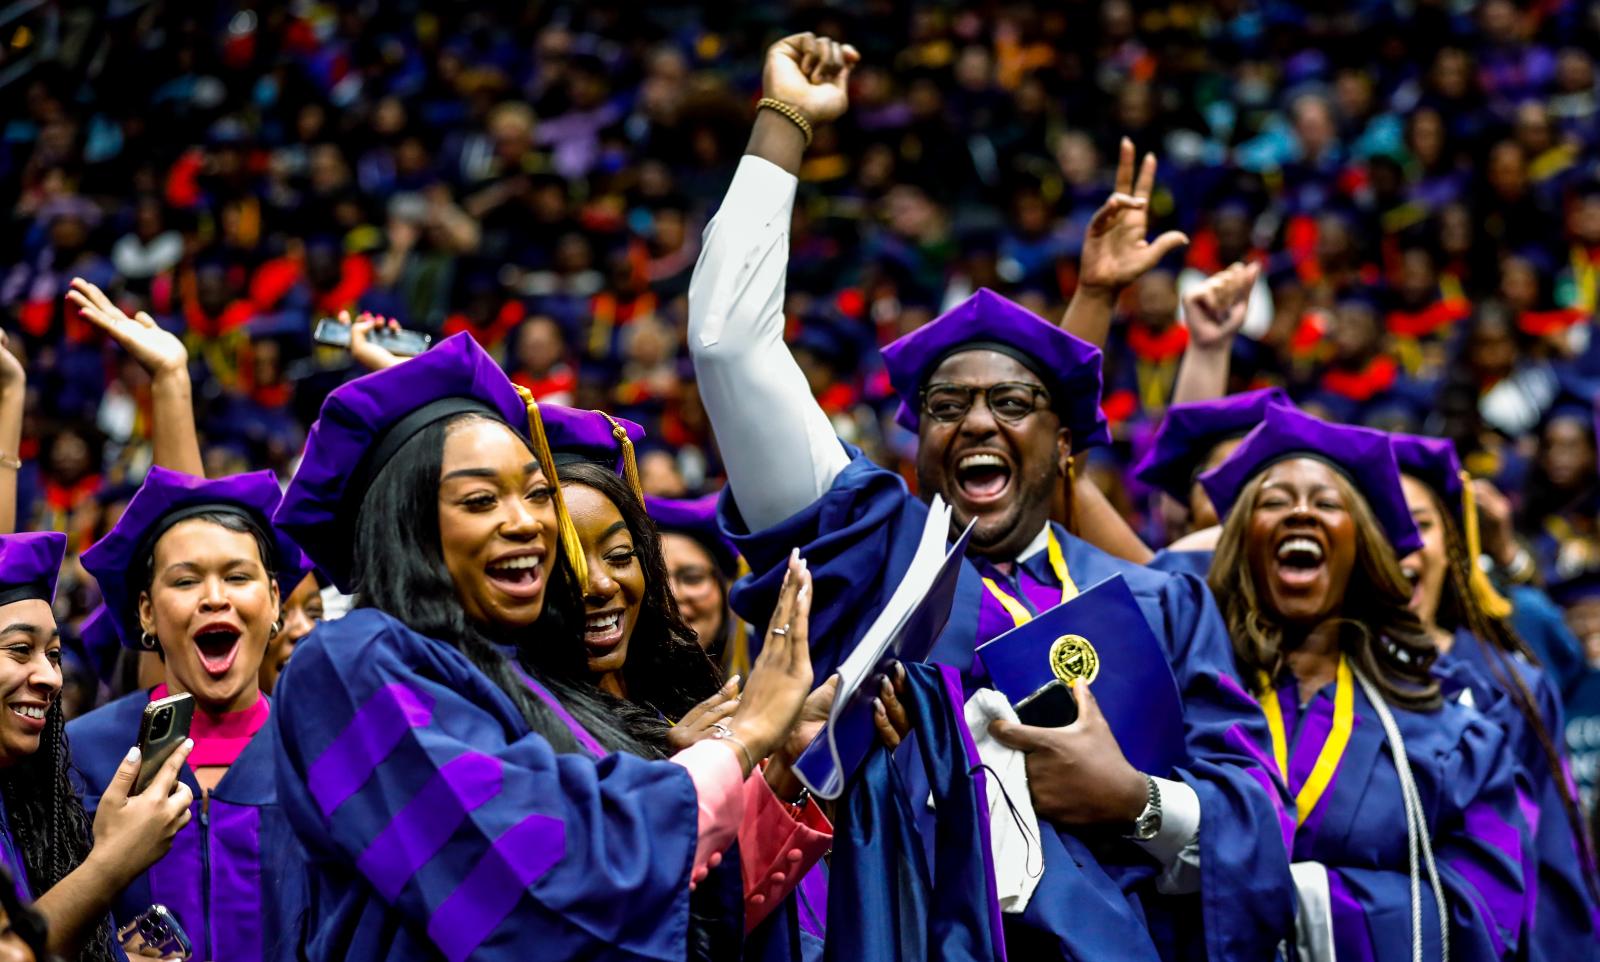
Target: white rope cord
[(1417, 841)]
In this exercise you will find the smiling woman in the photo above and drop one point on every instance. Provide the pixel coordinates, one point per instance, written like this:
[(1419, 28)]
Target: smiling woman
[(45, 838), (1307, 577), (195, 571), (462, 787)]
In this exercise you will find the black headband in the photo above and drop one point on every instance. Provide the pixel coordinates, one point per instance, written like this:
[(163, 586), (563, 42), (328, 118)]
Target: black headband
[(403, 430), (1338, 468), (176, 516), (1049, 380), (40, 589)]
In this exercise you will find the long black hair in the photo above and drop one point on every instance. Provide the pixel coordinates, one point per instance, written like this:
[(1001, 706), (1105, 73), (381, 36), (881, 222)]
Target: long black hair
[(52, 830), (666, 668), (399, 569)]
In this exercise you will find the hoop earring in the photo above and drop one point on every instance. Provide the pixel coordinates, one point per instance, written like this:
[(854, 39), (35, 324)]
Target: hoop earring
[(147, 641), (277, 628)]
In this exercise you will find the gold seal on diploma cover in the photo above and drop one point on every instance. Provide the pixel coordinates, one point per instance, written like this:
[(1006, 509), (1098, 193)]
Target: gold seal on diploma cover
[(1072, 657)]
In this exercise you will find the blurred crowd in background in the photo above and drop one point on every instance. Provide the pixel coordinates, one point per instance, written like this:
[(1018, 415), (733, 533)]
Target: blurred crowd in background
[(1419, 181)]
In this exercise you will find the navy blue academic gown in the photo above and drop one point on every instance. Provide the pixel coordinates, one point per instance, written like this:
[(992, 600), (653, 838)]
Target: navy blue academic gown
[(1197, 563), (437, 826), (234, 878), (858, 539), (1466, 779), (1566, 919)]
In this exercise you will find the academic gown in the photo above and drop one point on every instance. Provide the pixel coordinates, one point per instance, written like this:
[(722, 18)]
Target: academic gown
[(234, 878), (1197, 563), (437, 826), (858, 539), (1565, 918), (11, 857), (1465, 776)]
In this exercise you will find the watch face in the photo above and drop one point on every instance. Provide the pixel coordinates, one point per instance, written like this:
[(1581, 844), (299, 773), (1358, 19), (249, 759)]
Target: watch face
[(1147, 826)]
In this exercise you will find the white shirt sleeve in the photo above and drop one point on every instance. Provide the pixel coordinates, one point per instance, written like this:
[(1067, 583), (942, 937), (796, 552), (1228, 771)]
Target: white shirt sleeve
[(777, 444), (1177, 845)]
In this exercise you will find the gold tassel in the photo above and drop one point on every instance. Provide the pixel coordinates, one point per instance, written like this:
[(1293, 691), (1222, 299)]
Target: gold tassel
[(630, 465), (1491, 601), (570, 543), (736, 660)]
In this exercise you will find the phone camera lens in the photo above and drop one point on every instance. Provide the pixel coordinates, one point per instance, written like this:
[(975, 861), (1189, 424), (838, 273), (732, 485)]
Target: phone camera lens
[(161, 725)]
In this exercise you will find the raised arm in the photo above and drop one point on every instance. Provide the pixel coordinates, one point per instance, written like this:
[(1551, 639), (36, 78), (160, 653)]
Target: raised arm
[(1115, 251), (172, 434), (1214, 311), (13, 392), (779, 447)]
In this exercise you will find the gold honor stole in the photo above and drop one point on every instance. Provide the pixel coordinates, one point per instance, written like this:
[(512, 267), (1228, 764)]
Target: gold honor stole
[(1058, 563), (1344, 714)]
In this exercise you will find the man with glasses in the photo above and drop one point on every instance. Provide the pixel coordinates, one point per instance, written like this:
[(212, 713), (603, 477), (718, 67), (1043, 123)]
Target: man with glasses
[(1183, 863)]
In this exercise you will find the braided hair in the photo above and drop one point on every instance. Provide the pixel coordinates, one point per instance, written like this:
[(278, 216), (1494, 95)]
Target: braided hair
[(1459, 609), (52, 830)]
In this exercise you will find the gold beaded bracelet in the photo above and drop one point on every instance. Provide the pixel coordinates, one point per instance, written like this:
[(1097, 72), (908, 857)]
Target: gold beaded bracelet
[(787, 110)]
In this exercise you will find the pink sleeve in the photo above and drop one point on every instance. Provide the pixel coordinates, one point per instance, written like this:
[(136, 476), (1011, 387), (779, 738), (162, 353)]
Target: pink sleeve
[(777, 846), (715, 770)]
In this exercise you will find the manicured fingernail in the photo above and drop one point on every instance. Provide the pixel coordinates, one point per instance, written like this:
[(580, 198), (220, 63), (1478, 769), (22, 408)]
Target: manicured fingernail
[(734, 682), (878, 709), (133, 754), (885, 686)]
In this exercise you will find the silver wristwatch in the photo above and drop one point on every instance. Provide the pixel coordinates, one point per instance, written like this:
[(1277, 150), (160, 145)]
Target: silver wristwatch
[(1148, 823)]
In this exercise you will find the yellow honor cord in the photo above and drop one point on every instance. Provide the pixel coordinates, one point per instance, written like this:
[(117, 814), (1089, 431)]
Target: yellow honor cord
[(630, 464), (1344, 715), (1491, 601), (570, 543), (1020, 615)]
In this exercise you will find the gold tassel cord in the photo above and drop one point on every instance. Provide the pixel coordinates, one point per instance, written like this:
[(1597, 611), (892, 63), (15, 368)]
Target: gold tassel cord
[(570, 544), (1491, 601), (630, 464)]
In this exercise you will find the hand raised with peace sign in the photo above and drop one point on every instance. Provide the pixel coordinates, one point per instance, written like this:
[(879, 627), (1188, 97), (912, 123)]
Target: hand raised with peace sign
[(1115, 249)]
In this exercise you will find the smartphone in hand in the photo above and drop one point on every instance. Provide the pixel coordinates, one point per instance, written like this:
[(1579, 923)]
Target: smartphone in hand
[(163, 727), (400, 341), (156, 934), (1052, 706)]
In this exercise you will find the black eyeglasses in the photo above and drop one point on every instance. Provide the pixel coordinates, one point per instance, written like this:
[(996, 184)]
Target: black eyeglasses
[(1010, 401)]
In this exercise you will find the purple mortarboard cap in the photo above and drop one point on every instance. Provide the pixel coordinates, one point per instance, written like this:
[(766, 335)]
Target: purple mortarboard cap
[(162, 501), (1432, 461), (695, 518), (1068, 366), (1362, 455), (1190, 432), (365, 421), (29, 565), (579, 435)]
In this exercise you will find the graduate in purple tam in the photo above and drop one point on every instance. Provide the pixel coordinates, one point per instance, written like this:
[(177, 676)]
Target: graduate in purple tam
[(459, 785), (1194, 437), (702, 565), (1469, 623), (45, 841), (1382, 766), (1164, 862), (195, 571)]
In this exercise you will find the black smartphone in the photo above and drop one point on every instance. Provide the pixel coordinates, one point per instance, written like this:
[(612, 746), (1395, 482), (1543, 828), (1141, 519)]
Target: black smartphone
[(1050, 707), (162, 728), (156, 928), (401, 341)]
